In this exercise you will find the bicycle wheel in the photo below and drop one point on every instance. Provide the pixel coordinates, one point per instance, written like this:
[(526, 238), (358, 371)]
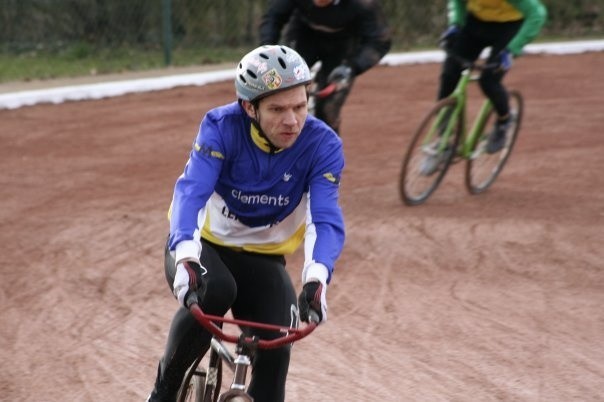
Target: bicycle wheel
[(200, 384), (192, 386), (483, 168), (236, 396), (430, 153)]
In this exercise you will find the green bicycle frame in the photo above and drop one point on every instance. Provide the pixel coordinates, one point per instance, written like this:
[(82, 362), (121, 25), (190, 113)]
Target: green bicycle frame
[(467, 138)]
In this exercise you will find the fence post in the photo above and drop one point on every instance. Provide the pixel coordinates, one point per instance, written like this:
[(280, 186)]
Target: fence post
[(167, 30)]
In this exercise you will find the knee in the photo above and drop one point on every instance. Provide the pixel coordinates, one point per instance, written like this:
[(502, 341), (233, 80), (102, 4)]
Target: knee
[(449, 77), (219, 294), (330, 109), (451, 69), (270, 359), (269, 374), (489, 81)]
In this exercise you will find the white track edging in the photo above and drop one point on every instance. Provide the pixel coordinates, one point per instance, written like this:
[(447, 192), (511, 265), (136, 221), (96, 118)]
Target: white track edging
[(19, 99)]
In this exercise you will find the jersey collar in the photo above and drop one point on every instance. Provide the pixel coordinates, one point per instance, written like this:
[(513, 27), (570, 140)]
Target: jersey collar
[(262, 142)]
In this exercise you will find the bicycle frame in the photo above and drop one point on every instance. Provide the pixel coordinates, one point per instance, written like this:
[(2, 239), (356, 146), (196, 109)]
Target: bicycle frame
[(459, 113)]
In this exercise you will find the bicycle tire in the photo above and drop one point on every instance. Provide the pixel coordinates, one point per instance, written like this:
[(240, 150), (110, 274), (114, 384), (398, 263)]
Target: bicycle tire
[(192, 387), (415, 184), (236, 396), (211, 387), (482, 168), (201, 384)]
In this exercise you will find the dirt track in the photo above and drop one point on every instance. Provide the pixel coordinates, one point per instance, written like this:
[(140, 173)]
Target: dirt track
[(496, 297)]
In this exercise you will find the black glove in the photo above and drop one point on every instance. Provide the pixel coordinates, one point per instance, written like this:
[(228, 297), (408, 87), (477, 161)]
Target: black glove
[(341, 75), (448, 38), (312, 298), (188, 279)]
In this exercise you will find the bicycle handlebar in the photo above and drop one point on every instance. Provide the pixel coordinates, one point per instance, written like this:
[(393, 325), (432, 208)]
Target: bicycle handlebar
[(473, 65), (292, 334), (327, 91)]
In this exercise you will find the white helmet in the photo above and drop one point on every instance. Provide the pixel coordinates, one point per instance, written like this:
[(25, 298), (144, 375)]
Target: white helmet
[(269, 69)]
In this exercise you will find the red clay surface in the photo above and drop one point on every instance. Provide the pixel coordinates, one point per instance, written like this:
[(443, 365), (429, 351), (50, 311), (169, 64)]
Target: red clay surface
[(495, 297)]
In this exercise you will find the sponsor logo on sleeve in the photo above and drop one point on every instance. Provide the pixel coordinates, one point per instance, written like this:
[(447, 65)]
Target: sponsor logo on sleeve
[(208, 151), (332, 178)]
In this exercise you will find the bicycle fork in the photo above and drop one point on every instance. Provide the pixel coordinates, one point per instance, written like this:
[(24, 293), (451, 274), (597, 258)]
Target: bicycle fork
[(476, 131)]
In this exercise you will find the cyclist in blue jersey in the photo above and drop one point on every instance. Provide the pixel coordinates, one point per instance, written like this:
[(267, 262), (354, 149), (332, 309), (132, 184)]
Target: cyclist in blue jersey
[(505, 26), (263, 176)]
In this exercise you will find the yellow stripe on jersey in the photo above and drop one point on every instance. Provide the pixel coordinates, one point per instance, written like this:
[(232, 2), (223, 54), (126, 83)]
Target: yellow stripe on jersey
[(219, 227), (286, 247)]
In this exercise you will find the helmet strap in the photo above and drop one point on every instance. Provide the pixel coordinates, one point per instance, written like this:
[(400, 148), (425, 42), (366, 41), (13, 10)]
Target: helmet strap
[(256, 124)]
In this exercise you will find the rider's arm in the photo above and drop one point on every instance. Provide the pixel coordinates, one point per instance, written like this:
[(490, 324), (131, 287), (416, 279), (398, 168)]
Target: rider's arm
[(375, 37), (273, 21), (535, 15), (456, 12), (324, 238), (193, 189)]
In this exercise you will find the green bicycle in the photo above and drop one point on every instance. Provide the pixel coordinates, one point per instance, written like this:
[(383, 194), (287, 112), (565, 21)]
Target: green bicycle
[(443, 138)]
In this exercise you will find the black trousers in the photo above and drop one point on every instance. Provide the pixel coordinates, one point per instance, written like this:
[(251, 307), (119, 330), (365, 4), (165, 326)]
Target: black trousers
[(474, 37), (255, 287)]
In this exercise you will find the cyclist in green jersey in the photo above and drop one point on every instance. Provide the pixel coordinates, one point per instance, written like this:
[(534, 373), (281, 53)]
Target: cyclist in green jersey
[(505, 26)]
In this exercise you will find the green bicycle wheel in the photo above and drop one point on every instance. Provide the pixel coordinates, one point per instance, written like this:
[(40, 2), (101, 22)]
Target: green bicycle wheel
[(483, 168), (433, 146)]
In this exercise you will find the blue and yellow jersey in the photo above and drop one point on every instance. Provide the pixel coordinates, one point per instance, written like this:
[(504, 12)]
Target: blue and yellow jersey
[(532, 12), (237, 192)]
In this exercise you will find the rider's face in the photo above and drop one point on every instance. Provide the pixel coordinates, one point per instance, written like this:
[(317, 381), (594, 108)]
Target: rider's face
[(282, 115)]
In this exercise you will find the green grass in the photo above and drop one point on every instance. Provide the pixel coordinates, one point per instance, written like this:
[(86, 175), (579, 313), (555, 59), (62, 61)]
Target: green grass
[(82, 60)]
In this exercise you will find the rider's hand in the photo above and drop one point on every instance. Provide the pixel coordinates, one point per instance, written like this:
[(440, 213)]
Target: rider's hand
[(505, 60), (312, 297), (447, 39), (188, 278), (341, 75)]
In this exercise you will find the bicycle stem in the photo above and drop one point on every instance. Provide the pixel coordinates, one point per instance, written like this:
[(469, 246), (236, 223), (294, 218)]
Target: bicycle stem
[(242, 362)]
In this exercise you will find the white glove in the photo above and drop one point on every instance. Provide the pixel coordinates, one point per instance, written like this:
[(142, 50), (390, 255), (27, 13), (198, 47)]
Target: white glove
[(188, 278)]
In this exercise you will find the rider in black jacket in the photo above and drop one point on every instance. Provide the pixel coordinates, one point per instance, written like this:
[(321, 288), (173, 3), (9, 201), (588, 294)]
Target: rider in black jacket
[(348, 37)]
